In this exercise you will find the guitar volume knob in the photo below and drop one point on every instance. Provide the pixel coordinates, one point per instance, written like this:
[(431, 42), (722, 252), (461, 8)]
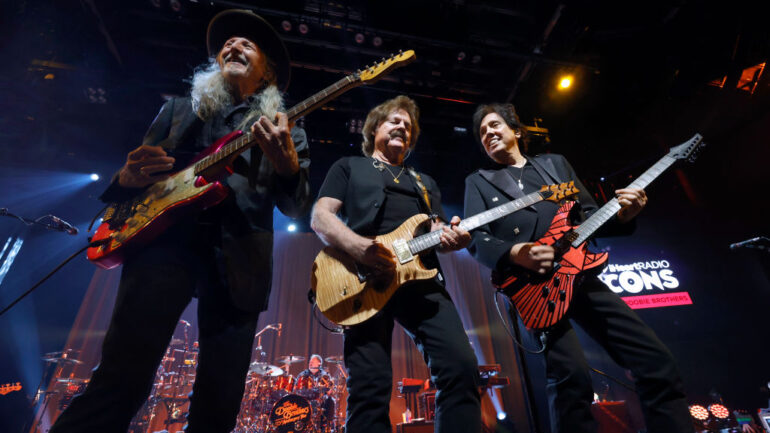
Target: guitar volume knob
[(551, 306), (562, 295), (546, 291)]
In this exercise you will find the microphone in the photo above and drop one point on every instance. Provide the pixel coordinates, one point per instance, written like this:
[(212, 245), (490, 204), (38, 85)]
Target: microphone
[(184, 322), (63, 226), (759, 242)]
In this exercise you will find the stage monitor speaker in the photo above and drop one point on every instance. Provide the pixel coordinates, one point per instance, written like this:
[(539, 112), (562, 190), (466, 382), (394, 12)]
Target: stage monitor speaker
[(415, 427), (764, 418), (612, 417)]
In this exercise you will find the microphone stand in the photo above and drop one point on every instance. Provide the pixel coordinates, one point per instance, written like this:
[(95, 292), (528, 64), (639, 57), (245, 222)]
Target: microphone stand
[(56, 223)]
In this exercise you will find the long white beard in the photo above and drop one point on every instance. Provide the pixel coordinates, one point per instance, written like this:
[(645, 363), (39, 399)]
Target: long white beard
[(210, 94)]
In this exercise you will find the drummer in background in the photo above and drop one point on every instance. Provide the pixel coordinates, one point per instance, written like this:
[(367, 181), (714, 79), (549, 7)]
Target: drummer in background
[(314, 368), (315, 378)]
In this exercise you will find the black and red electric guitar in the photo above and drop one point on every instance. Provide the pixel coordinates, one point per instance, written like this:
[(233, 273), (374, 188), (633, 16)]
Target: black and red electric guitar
[(131, 224), (543, 300)]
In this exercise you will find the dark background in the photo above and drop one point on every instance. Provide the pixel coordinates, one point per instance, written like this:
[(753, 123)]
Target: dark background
[(81, 80)]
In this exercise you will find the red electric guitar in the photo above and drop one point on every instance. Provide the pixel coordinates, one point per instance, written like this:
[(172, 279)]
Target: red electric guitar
[(129, 225), (542, 300)]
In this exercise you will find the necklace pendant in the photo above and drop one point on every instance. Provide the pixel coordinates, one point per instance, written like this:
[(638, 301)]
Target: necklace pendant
[(521, 185), (396, 180)]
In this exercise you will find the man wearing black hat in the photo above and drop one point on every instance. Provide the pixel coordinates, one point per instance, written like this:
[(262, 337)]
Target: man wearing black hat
[(222, 256)]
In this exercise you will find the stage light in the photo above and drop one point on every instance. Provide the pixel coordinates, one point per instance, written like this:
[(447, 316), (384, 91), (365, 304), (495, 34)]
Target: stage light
[(292, 228), (699, 412), (94, 177), (359, 38), (601, 179), (461, 56), (377, 41), (719, 411), (502, 415), (565, 82), (286, 25), (303, 28)]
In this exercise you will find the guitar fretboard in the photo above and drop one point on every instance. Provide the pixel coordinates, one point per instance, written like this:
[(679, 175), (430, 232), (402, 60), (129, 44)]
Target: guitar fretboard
[(432, 239), (247, 139), (601, 216)]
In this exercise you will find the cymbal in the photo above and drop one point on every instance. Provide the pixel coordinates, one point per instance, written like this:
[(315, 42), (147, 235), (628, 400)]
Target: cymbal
[(73, 380), (265, 369), (336, 359), (64, 359), (289, 359)]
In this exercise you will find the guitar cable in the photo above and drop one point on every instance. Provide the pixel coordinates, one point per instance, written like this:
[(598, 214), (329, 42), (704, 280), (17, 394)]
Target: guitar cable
[(56, 269), (312, 300), (542, 337), (543, 340)]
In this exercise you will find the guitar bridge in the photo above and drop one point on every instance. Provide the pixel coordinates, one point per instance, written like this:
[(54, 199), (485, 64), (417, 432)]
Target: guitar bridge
[(401, 248)]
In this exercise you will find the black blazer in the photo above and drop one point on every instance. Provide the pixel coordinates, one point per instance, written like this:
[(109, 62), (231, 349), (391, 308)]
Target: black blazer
[(246, 216), (485, 189)]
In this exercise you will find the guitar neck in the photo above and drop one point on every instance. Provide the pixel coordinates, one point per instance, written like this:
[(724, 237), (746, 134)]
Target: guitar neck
[(246, 140), (433, 239), (601, 216)]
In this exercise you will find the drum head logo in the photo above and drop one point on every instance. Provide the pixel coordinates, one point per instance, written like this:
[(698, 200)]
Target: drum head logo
[(291, 414)]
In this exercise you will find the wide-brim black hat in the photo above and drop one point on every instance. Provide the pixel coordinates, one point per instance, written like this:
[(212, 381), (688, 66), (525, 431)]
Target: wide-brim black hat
[(247, 24)]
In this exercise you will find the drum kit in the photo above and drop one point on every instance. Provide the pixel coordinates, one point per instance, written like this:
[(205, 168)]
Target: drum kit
[(277, 402), (274, 401), (59, 373)]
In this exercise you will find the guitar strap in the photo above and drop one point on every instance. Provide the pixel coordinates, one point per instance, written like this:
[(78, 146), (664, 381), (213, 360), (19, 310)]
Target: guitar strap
[(423, 190)]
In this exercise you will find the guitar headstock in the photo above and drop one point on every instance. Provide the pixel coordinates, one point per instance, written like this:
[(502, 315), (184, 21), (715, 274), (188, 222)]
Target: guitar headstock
[(557, 193), (10, 387), (689, 149), (374, 72)]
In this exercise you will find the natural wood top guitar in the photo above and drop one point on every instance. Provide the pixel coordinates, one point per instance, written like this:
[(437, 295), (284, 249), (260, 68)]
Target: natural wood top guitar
[(348, 293)]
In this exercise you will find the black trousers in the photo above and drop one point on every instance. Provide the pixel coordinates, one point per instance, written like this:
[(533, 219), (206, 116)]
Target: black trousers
[(631, 344), (427, 313), (155, 287)]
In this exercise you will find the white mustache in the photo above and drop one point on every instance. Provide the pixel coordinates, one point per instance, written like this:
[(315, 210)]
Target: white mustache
[(239, 57)]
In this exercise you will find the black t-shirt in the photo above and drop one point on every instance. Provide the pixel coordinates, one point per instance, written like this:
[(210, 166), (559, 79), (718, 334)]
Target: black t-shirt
[(402, 199)]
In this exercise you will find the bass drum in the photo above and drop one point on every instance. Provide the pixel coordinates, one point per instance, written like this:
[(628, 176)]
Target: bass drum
[(292, 413)]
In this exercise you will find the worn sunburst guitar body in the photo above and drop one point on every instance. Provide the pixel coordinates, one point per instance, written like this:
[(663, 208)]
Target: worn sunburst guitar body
[(129, 225), (543, 300), (348, 293)]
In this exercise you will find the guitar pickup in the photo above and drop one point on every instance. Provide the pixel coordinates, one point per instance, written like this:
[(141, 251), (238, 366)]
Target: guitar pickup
[(401, 248)]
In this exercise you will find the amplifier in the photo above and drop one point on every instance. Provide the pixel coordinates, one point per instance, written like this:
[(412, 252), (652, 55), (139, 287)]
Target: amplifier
[(428, 405), (415, 427)]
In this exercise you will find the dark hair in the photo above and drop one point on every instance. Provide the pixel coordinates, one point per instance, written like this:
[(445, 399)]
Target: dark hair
[(508, 113), (381, 112)]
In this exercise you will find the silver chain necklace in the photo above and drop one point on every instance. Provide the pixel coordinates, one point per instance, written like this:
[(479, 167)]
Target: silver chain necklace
[(379, 165)]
